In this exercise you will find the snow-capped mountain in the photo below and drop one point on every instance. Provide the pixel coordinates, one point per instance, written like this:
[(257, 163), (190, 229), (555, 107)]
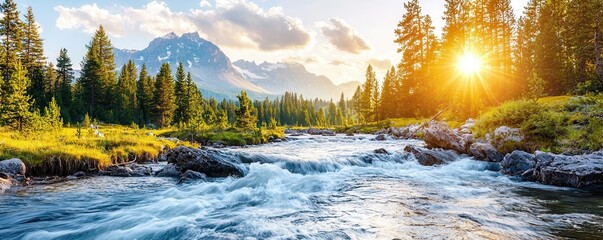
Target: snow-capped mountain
[(292, 77), (210, 67), (213, 71)]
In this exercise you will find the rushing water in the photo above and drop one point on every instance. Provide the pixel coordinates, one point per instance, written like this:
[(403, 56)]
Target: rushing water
[(309, 188)]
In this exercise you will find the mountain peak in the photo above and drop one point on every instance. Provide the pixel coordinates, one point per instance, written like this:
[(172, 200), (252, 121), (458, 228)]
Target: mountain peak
[(171, 35), (192, 35)]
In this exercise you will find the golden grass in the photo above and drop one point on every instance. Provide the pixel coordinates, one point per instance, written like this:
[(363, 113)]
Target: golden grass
[(118, 143)]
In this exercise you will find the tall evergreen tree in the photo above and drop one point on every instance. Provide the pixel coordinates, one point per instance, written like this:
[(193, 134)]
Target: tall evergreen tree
[(65, 77), (367, 101), (164, 97), (15, 103), (11, 33), (388, 106), (417, 44), (245, 118), (145, 92), (183, 96), (127, 101), (550, 52), (98, 77)]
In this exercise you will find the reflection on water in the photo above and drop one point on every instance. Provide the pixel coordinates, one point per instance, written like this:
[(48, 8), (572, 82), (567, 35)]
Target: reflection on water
[(309, 188)]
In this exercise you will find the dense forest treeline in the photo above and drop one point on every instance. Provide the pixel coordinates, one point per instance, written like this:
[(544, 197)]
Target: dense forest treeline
[(553, 49)]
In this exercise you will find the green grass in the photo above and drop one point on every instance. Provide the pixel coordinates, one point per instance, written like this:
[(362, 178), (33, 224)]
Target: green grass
[(119, 144), (230, 137), (556, 124)]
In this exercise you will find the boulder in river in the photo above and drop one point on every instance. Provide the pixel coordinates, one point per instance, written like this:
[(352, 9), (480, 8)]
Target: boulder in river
[(580, 171), (517, 163), (380, 137), (13, 167), (380, 151), (190, 175), (170, 170), (439, 135), (207, 161), (427, 157), (485, 152)]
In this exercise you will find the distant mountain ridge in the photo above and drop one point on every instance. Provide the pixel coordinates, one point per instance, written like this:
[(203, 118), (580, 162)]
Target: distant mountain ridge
[(217, 76)]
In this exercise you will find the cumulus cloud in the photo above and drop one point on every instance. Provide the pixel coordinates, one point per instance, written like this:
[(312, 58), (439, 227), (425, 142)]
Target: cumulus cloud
[(204, 3), (233, 23), (342, 36), (383, 64)]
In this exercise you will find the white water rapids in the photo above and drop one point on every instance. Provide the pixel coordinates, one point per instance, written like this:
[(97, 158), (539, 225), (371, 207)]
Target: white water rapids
[(309, 188)]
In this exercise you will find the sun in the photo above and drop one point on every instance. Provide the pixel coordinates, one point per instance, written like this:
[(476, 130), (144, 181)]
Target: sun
[(469, 64)]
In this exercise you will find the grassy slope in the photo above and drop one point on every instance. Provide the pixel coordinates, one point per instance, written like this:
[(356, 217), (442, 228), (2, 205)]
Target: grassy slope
[(119, 142), (556, 124)]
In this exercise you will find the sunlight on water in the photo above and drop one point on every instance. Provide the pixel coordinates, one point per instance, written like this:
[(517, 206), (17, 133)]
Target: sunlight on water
[(309, 188)]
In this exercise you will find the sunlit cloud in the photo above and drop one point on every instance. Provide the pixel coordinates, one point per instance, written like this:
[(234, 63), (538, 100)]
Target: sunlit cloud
[(343, 37), (232, 23)]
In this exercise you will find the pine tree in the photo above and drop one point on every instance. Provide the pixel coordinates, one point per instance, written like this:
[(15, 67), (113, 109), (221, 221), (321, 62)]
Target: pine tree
[(32, 56), (127, 100), (417, 44), (50, 84), (64, 79), (367, 103), (98, 77), (145, 92), (245, 118), (388, 106), (164, 97), (11, 32), (550, 54), (183, 96), (52, 116), (15, 104)]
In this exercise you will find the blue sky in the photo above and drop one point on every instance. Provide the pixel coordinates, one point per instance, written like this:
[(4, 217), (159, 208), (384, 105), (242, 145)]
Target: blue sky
[(336, 38)]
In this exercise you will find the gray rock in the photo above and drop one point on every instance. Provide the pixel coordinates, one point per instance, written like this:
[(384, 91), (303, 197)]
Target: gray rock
[(140, 170), (580, 171), (117, 171), (485, 152), (170, 170), (380, 151), (517, 163), (380, 137), (428, 157), (79, 174), (71, 177), (439, 135), (211, 162), (504, 135), (127, 170), (190, 175), (13, 166), (466, 127), (349, 134)]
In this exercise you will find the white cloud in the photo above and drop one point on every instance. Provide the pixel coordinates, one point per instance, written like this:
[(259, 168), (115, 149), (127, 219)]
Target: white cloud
[(232, 23), (89, 17), (204, 3), (342, 36)]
